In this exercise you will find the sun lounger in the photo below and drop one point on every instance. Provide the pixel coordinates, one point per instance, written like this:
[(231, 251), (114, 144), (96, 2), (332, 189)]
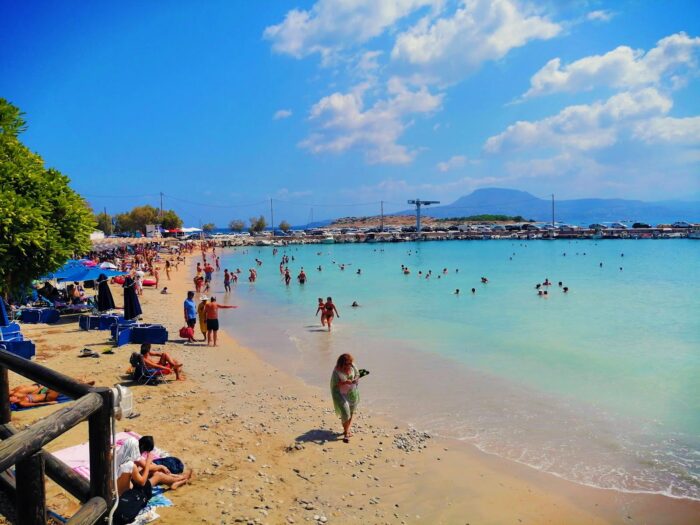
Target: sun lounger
[(130, 332), (39, 315), (99, 322), (26, 349)]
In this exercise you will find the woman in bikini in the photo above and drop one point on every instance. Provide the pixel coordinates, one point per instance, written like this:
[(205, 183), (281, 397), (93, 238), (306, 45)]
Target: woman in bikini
[(320, 308), (330, 311)]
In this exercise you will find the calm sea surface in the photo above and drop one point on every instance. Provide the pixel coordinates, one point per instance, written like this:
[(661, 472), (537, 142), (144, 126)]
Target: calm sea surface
[(600, 385)]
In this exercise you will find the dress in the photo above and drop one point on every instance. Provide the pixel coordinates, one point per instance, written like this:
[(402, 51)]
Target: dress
[(132, 307), (104, 294), (345, 397)]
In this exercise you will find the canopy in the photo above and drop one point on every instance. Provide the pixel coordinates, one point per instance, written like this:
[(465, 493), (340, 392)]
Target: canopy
[(76, 271)]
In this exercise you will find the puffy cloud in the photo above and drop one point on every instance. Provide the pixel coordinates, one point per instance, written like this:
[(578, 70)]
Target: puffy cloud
[(282, 114), (478, 30), (669, 130), (456, 161), (601, 15), (332, 25), (343, 121), (622, 68), (583, 127)]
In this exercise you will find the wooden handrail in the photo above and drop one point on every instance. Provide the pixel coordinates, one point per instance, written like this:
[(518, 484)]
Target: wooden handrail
[(57, 470), (28, 441), (43, 376), (89, 513)]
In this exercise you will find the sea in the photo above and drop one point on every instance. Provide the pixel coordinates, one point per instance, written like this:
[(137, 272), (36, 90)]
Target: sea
[(599, 385)]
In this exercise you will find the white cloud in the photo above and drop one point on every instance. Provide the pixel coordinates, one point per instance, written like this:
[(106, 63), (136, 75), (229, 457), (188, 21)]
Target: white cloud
[(601, 15), (478, 30), (669, 130), (333, 25), (344, 122), (282, 114), (456, 161), (583, 127), (622, 68)]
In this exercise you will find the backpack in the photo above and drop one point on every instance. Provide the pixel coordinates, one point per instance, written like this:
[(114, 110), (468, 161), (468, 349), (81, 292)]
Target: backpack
[(173, 464), (131, 503)]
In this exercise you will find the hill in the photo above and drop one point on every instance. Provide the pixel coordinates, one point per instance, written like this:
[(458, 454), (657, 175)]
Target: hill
[(515, 202)]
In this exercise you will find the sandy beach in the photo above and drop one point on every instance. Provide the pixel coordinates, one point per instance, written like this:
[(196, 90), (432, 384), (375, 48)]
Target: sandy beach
[(264, 445)]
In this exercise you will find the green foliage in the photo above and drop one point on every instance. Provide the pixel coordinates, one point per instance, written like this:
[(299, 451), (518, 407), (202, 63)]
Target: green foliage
[(485, 218), (137, 219), (257, 224), (104, 222), (208, 227), (285, 226), (236, 225), (170, 220), (43, 222)]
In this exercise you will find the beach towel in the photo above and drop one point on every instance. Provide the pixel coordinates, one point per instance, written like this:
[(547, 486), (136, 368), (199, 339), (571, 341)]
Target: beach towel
[(78, 459), (61, 399)]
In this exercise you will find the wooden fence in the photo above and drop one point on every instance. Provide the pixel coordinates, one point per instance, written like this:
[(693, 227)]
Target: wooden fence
[(23, 449)]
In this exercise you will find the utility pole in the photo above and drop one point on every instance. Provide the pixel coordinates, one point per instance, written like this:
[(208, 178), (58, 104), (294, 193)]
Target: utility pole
[(381, 226), (552, 210), (418, 203), (272, 218), (161, 205), (109, 221)]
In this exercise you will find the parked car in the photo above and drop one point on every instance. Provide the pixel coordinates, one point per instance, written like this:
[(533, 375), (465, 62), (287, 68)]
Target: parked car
[(498, 228), (618, 225), (641, 225), (597, 226), (681, 224)]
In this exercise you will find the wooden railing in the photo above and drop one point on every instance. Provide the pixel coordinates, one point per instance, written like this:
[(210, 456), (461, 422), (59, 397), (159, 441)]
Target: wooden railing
[(23, 448)]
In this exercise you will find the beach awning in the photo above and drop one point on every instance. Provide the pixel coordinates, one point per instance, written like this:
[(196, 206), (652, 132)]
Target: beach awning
[(77, 272)]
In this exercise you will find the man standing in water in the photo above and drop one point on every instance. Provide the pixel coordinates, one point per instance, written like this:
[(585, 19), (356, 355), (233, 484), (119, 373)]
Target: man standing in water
[(212, 312)]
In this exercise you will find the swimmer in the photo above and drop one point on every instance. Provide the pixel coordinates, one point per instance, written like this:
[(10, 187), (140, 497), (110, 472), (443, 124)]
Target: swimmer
[(560, 283), (484, 280), (456, 292), (566, 289), (354, 304), (473, 290)]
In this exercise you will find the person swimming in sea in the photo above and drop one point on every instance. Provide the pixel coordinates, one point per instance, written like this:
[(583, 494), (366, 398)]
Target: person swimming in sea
[(566, 289), (355, 304), (484, 280), (473, 290), (456, 292)]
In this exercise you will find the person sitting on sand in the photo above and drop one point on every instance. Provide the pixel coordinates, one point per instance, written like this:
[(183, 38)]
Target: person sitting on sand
[(133, 471), (344, 391), (161, 361)]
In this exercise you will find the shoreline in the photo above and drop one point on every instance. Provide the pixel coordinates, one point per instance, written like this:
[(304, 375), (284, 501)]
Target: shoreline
[(234, 404)]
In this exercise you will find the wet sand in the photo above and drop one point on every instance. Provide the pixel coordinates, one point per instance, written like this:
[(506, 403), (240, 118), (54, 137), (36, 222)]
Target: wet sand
[(264, 445)]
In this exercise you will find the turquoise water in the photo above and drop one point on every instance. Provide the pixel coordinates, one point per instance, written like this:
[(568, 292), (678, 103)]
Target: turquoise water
[(600, 385)]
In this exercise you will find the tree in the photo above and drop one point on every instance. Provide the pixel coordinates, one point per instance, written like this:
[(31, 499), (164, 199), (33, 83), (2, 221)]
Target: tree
[(170, 220), (43, 222), (104, 222), (285, 226), (140, 216), (257, 225), (236, 225), (208, 227)]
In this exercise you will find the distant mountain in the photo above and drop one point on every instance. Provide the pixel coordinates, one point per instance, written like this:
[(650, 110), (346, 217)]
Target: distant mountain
[(576, 211)]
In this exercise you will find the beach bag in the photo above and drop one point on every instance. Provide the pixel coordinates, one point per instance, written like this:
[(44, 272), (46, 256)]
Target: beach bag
[(173, 464), (131, 503), (186, 332)]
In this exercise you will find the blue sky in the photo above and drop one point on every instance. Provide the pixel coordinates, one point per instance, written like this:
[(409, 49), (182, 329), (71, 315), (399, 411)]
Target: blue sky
[(336, 105)]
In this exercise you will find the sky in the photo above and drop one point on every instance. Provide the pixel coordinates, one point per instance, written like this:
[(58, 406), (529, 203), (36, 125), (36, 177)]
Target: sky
[(329, 107)]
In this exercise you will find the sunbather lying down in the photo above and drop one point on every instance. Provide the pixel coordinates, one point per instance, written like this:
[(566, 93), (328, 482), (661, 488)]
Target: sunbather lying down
[(35, 395)]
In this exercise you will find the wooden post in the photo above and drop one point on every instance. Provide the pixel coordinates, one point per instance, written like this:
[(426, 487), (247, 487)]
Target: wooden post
[(101, 463), (90, 513), (5, 413), (31, 491)]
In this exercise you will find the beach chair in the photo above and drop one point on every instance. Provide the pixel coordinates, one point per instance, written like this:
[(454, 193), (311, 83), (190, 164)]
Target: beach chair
[(144, 375)]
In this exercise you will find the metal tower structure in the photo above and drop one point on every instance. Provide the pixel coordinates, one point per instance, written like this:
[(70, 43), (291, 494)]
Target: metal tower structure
[(418, 203)]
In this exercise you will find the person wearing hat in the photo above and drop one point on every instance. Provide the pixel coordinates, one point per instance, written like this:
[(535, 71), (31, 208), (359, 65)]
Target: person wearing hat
[(202, 315)]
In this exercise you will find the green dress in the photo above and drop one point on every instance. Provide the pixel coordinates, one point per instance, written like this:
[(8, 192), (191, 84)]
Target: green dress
[(345, 399)]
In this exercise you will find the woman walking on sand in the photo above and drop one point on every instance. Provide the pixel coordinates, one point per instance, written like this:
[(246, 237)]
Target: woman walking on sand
[(329, 311), (345, 392)]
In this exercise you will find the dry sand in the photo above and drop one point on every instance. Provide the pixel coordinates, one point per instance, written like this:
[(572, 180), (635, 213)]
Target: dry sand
[(264, 446)]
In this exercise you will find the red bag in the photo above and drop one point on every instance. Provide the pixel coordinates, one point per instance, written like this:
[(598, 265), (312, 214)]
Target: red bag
[(187, 333)]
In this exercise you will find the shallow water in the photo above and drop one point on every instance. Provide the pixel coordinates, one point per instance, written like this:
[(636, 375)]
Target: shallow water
[(599, 385)]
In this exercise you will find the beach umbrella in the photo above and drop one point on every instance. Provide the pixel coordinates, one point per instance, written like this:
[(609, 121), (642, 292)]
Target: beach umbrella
[(108, 266)]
